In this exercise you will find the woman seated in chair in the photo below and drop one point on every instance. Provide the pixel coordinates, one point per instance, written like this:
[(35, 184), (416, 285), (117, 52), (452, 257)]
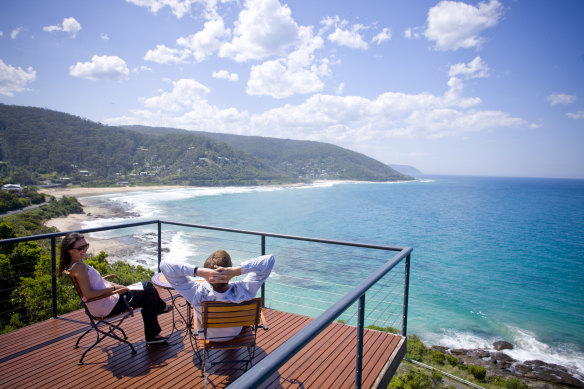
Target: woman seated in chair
[(92, 284)]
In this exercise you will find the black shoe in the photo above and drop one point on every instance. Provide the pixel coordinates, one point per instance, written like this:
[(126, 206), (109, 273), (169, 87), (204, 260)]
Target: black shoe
[(162, 339)]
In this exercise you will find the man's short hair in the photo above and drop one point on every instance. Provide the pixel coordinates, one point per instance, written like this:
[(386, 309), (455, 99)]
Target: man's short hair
[(218, 258)]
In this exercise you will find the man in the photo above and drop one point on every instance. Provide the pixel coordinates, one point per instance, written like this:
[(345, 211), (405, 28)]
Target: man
[(217, 271)]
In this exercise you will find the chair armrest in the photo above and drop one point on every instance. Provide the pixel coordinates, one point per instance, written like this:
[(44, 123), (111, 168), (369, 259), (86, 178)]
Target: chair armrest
[(110, 276)]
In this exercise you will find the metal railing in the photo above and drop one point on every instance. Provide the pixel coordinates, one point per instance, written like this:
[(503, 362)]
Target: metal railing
[(271, 363)]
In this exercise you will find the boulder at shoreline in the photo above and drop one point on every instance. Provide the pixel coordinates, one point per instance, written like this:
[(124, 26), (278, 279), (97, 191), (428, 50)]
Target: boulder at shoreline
[(536, 373)]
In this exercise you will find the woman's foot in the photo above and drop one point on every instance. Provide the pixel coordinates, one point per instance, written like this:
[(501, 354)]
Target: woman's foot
[(166, 309), (157, 339)]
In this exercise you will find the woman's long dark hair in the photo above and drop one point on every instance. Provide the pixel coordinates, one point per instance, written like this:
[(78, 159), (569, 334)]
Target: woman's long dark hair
[(67, 243)]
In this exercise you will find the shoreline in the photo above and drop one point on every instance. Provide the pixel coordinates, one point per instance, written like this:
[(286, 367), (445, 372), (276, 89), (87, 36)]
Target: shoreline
[(115, 249)]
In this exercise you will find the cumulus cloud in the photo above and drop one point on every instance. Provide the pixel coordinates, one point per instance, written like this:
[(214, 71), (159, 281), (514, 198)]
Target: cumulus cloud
[(343, 36), (476, 68), (186, 93), (69, 25), (342, 120), (14, 79), (225, 75), (453, 25), (164, 55), (384, 35), (576, 115), (104, 36), (101, 68), (560, 99), (264, 28), (411, 33), (208, 40), (179, 8), (299, 72)]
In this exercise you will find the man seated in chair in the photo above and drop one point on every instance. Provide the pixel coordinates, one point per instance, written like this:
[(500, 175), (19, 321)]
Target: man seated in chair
[(218, 270)]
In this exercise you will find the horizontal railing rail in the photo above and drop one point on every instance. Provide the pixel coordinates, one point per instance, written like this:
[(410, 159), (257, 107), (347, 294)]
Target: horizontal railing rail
[(271, 363)]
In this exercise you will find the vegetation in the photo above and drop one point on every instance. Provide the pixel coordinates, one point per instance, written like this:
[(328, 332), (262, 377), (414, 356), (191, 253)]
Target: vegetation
[(25, 268), (40, 145), (11, 200), (410, 376)]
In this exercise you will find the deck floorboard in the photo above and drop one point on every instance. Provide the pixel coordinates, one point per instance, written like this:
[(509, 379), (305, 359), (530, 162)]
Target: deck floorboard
[(42, 355)]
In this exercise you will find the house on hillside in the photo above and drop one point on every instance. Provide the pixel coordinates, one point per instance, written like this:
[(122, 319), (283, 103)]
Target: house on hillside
[(12, 187)]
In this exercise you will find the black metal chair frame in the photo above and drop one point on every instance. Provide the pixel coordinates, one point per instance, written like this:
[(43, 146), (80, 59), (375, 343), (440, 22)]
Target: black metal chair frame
[(113, 323)]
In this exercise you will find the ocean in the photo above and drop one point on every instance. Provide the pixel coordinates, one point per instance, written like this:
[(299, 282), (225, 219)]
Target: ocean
[(493, 258)]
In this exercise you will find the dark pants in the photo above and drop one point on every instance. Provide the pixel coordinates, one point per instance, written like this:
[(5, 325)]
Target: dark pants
[(151, 303)]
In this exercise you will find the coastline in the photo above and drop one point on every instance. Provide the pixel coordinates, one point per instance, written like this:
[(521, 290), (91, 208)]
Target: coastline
[(115, 249)]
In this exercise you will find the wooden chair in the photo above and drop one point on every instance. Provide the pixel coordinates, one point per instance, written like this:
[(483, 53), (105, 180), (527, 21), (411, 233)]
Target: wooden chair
[(112, 323), (247, 314)]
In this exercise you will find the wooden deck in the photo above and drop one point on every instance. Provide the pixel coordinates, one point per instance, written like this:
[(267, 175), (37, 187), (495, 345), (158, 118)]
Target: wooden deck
[(42, 355)]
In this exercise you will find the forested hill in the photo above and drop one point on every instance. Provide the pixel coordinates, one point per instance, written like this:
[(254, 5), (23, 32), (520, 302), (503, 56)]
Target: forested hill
[(39, 145), (301, 158)]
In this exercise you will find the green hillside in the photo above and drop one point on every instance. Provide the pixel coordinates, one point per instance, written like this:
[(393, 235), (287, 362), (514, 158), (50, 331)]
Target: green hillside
[(39, 145), (306, 159)]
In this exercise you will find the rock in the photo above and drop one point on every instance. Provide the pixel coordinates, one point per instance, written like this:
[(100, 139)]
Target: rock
[(502, 345), (548, 372), (458, 351), (442, 349)]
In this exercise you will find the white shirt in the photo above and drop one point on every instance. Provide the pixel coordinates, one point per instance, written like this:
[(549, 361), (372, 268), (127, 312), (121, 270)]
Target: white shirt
[(181, 277)]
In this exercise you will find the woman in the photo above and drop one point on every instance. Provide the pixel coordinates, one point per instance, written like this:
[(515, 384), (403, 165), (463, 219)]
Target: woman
[(92, 284)]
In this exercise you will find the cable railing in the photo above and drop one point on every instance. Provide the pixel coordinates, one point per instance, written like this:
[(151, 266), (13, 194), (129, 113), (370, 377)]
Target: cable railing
[(350, 282)]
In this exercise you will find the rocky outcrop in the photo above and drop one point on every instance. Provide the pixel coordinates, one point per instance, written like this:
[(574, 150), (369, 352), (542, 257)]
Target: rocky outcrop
[(536, 374)]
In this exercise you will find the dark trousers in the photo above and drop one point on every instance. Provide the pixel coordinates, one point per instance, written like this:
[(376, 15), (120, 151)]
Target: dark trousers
[(151, 304)]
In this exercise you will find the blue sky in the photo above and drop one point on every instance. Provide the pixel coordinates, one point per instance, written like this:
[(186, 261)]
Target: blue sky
[(450, 87)]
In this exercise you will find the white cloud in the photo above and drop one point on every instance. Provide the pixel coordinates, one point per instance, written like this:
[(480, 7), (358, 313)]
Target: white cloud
[(164, 55), (69, 25), (15, 32), (207, 41), (350, 121), (476, 68), (179, 8), (576, 115), (225, 75), (560, 98), (104, 36), (384, 35), (453, 25), (264, 28), (14, 79), (1, 34), (299, 72), (351, 38), (411, 34), (101, 68), (186, 93)]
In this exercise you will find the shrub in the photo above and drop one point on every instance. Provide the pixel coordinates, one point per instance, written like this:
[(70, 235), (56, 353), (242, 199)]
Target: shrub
[(437, 357), (384, 329), (498, 381), (514, 383), (413, 379), (452, 360), (415, 348), (478, 372)]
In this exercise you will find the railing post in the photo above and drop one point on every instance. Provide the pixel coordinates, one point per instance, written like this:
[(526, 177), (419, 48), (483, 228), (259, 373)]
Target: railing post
[(359, 358), (406, 289), (263, 284), (54, 274), (159, 244)]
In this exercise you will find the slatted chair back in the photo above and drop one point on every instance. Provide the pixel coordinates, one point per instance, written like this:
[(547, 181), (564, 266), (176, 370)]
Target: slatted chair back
[(110, 323), (217, 314)]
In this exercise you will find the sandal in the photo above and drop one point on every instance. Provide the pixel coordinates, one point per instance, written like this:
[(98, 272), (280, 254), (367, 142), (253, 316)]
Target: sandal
[(159, 339), (166, 309)]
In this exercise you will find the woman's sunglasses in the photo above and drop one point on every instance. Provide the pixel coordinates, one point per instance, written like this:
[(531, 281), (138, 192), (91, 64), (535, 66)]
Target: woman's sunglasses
[(81, 248)]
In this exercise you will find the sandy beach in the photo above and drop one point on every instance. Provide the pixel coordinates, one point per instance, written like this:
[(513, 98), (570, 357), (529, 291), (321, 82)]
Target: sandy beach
[(114, 248)]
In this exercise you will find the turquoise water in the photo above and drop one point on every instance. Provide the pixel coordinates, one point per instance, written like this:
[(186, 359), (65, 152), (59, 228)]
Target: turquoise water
[(494, 258)]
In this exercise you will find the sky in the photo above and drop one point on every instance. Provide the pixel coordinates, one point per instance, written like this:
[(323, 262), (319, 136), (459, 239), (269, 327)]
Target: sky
[(493, 87)]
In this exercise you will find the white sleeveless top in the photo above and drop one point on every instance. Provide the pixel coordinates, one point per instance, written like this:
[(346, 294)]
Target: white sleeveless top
[(104, 306)]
